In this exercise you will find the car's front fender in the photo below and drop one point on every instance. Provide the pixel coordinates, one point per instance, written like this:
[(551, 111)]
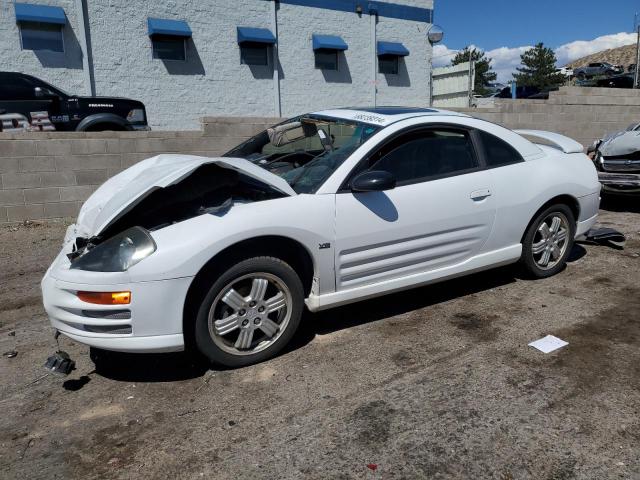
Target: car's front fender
[(184, 248)]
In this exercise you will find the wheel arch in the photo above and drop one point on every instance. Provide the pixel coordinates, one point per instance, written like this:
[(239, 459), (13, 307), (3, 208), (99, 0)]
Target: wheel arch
[(565, 199), (291, 251), (102, 118)]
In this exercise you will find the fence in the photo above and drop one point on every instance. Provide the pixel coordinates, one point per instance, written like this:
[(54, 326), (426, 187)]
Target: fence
[(452, 86)]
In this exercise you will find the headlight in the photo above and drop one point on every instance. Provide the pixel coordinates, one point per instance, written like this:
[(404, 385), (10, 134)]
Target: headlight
[(119, 253), (136, 115)]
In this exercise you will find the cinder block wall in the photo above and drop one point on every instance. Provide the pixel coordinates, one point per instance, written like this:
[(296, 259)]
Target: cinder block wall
[(49, 175), (584, 114)]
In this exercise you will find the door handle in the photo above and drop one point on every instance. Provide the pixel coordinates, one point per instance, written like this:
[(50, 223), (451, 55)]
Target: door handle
[(479, 195)]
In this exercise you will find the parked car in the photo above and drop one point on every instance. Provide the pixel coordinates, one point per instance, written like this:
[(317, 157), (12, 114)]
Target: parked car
[(617, 159), (624, 80), (529, 92), (566, 71), (28, 103), (631, 68), (521, 92), (223, 254), (596, 69)]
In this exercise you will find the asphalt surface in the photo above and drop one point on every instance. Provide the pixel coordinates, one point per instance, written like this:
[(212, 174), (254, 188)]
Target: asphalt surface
[(436, 382)]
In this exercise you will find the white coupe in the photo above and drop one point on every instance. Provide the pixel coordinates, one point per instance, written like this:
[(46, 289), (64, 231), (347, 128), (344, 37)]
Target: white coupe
[(223, 254)]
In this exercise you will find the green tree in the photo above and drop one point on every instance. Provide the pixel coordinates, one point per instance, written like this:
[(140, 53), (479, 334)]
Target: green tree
[(538, 68), (484, 73)]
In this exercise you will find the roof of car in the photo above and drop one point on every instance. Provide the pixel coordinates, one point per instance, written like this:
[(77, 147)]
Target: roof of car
[(384, 116)]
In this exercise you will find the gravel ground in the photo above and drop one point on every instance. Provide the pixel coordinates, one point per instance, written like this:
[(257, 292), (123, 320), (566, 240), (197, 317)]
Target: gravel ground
[(436, 382)]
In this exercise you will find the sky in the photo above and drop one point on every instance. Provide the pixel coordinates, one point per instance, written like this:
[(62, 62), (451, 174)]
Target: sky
[(506, 28)]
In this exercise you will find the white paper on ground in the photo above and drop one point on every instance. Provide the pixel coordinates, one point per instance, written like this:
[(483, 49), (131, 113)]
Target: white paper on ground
[(548, 344)]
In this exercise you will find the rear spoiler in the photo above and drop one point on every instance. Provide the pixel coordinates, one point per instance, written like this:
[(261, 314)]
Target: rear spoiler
[(566, 144)]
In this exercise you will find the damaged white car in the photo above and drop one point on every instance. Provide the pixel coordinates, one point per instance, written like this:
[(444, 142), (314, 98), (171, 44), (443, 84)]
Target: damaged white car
[(617, 158), (223, 254)]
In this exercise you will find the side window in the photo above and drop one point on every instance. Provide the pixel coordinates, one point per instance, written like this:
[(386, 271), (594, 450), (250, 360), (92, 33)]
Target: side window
[(497, 152), (16, 88), (425, 154)]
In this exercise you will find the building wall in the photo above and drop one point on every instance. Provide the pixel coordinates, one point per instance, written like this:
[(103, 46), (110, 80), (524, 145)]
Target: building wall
[(213, 81), (60, 69), (176, 94)]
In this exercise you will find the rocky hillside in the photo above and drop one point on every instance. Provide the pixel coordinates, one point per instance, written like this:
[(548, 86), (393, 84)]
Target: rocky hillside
[(617, 56)]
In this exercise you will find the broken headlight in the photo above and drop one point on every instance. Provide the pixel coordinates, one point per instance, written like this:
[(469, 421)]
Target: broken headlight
[(119, 253)]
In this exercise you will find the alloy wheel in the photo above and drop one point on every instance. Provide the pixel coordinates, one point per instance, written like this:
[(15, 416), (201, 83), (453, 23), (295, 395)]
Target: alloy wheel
[(550, 241), (250, 313)]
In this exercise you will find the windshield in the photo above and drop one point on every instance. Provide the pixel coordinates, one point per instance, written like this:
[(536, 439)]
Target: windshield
[(305, 150)]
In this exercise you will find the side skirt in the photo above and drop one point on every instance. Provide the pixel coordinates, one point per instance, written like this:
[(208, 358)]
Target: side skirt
[(484, 261)]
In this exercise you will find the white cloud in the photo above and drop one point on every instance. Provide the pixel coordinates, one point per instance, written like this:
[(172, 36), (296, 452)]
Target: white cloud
[(442, 55), (581, 48), (506, 59)]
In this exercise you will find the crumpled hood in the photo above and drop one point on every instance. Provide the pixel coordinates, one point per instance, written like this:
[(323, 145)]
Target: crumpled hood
[(122, 192), (621, 143)]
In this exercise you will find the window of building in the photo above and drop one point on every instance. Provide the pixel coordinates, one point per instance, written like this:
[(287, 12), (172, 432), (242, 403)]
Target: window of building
[(169, 47), (254, 53), (426, 154), (326, 59), (41, 36), (498, 152), (388, 64)]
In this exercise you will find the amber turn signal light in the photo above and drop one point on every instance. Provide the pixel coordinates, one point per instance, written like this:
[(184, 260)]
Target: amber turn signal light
[(106, 298)]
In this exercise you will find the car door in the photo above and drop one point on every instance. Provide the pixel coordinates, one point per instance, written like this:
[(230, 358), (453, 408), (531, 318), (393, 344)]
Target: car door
[(18, 95), (439, 214)]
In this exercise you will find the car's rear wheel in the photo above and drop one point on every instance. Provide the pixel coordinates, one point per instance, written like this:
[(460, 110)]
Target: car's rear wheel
[(250, 312), (548, 241)]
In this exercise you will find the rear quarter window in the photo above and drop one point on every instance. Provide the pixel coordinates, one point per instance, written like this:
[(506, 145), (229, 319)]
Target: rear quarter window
[(497, 152)]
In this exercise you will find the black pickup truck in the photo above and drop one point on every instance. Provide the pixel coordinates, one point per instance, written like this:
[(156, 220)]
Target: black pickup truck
[(28, 103)]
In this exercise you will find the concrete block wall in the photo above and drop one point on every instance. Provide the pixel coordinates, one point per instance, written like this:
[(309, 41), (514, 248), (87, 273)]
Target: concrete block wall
[(584, 114), (50, 175)]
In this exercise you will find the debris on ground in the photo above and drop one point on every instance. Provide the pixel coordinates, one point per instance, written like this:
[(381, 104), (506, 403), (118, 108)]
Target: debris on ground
[(548, 344)]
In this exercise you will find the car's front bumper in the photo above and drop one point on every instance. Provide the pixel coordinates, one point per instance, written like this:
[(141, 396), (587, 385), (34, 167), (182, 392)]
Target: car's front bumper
[(152, 322), (628, 183)]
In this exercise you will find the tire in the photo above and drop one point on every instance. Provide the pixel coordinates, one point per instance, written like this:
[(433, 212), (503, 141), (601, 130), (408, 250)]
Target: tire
[(259, 320), (540, 243), (582, 76)]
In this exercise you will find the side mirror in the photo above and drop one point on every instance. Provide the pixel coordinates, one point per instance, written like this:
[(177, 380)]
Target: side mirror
[(373, 181)]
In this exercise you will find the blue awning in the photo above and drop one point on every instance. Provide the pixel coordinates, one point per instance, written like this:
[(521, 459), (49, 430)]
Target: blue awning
[(329, 42), (392, 48), (175, 28), (27, 12), (255, 35)]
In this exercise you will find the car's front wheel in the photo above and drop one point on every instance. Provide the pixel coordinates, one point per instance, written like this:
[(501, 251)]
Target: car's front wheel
[(250, 312), (548, 241)]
